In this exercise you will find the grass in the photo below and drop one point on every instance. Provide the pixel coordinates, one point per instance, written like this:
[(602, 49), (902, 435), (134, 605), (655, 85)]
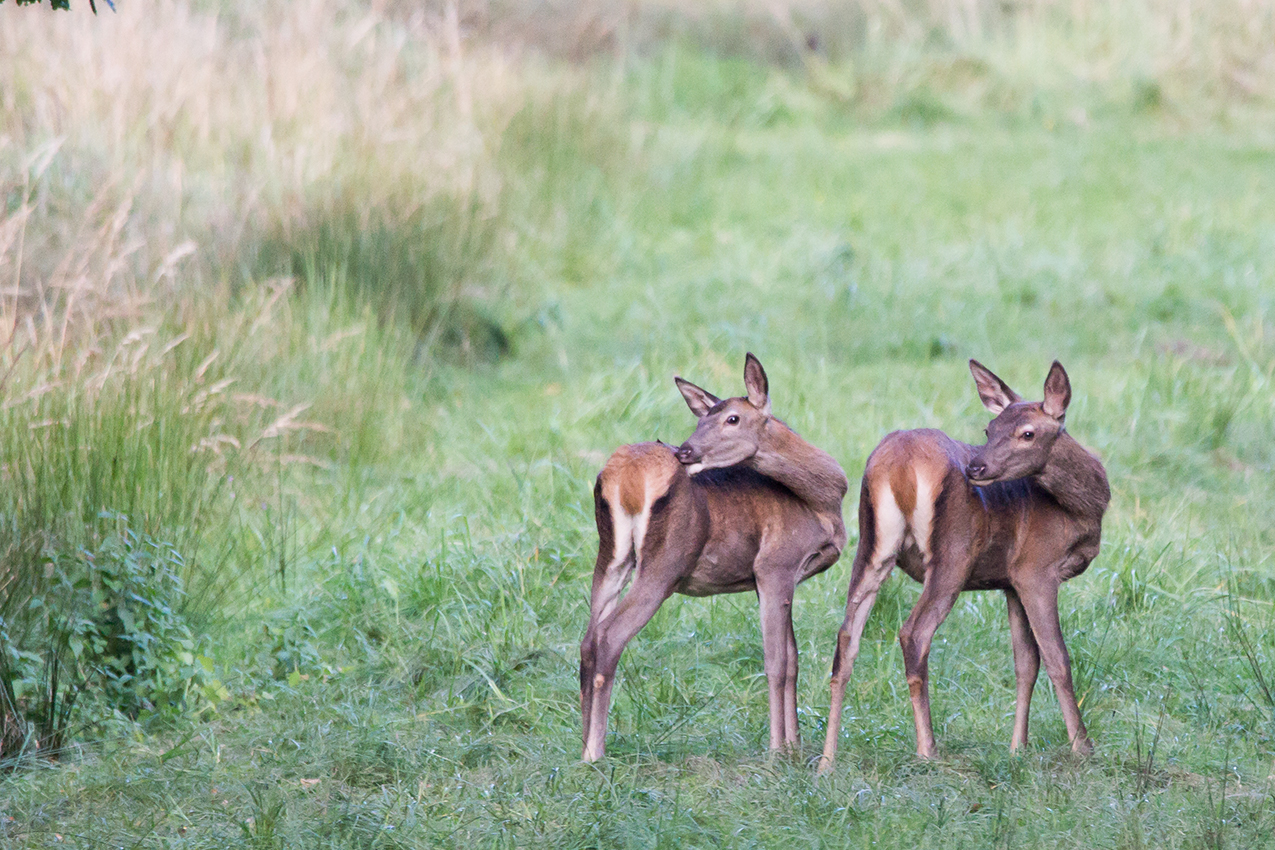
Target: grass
[(394, 533)]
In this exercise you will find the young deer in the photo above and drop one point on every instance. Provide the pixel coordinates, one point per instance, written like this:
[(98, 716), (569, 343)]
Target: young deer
[(1021, 514), (744, 504)]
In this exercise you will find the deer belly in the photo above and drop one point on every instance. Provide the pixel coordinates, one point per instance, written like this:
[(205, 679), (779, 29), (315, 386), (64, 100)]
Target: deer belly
[(990, 570), (720, 570), (692, 586)]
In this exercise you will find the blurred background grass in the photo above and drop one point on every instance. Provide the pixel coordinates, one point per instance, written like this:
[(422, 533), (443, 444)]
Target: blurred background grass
[(340, 307)]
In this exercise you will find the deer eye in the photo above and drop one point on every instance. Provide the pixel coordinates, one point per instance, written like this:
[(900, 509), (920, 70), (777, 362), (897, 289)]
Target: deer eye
[(1028, 435), (732, 420)]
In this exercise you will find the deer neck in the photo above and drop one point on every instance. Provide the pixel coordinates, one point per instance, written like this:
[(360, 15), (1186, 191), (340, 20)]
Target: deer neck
[(809, 472), (1076, 479)]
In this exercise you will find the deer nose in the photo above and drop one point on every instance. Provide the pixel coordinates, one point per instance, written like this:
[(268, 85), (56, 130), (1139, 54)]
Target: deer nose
[(686, 454), (976, 471)]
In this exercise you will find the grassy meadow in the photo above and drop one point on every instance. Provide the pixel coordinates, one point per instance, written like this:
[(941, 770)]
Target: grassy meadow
[(320, 318)]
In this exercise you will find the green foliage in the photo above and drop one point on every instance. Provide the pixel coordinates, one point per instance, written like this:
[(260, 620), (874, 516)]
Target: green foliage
[(53, 4), (124, 623), (148, 432), (293, 655), (64, 5), (103, 636)]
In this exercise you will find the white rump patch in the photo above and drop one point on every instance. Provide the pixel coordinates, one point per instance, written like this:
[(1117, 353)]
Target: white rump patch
[(630, 533), (623, 559), (891, 524), (923, 515)]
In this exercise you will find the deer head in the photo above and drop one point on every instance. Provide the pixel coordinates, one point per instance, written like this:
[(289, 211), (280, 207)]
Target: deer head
[(1020, 437), (728, 432)]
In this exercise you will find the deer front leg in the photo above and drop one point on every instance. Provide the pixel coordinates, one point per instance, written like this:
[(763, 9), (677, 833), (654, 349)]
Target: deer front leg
[(792, 734), (1026, 666), (779, 649), (1041, 604)]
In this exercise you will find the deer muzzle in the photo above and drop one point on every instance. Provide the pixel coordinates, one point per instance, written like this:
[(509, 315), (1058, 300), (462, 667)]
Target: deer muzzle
[(687, 454)]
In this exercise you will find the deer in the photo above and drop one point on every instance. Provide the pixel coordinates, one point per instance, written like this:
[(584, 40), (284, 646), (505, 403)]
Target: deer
[(744, 504), (1021, 514)]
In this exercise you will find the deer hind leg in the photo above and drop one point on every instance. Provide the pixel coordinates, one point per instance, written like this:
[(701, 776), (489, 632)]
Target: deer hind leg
[(1026, 666), (656, 571), (617, 558), (815, 562), (589, 655), (938, 594), (634, 611), (1041, 605), (881, 531), (936, 532)]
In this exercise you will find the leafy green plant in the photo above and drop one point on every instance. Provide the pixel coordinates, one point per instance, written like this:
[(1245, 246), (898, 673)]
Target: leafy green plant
[(260, 830), (137, 639), (292, 653), (105, 637)]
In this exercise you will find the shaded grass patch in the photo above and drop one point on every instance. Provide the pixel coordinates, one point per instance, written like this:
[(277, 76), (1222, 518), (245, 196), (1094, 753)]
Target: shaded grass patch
[(421, 262)]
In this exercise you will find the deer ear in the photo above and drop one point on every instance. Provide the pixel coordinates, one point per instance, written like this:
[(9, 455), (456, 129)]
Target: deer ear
[(698, 400), (994, 392), (1057, 391), (757, 384)]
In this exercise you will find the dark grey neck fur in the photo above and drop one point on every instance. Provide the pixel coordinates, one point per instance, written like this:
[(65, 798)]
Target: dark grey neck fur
[(808, 471), (1076, 479)]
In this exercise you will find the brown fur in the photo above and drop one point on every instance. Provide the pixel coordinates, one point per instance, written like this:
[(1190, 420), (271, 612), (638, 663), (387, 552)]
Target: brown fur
[(1033, 522), (763, 515), (636, 470)]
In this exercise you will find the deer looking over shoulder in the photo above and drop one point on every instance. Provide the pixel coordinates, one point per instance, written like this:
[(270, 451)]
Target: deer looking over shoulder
[(1021, 514), (744, 504)]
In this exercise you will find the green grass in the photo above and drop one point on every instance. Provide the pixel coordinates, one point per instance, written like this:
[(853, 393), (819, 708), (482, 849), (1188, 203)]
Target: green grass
[(401, 543)]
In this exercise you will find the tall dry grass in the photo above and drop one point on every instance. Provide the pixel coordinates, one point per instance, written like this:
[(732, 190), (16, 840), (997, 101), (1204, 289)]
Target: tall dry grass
[(147, 158), (1189, 48), (221, 139), (240, 226), (175, 145)]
